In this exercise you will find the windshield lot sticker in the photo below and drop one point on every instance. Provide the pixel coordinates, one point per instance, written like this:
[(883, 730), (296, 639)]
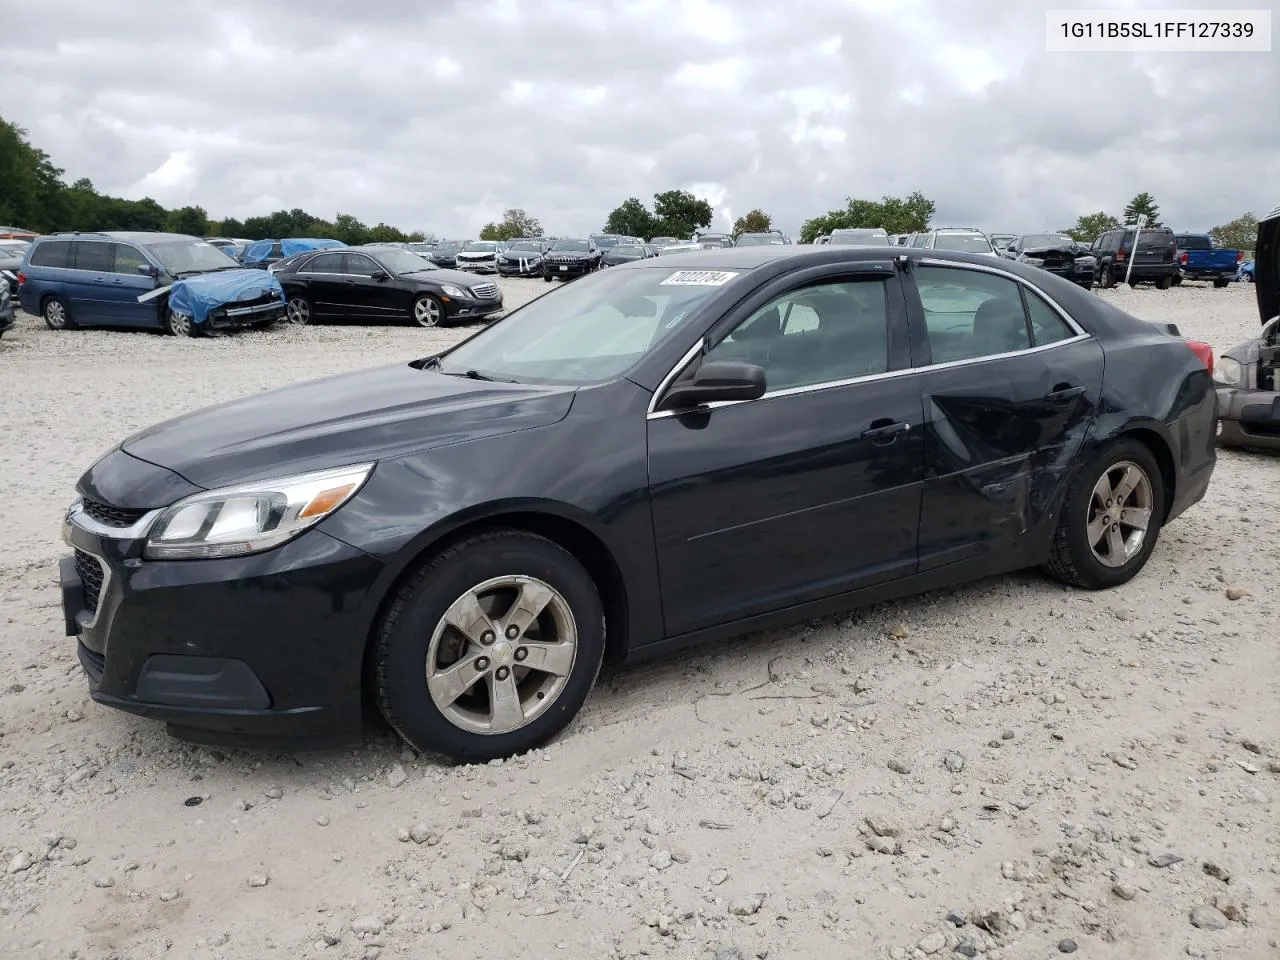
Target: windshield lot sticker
[(699, 278)]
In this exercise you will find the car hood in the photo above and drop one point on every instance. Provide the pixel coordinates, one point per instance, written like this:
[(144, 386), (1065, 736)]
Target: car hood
[(350, 418), (569, 255), (478, 253), (1066, 249), (458, 277), (1266, 266)]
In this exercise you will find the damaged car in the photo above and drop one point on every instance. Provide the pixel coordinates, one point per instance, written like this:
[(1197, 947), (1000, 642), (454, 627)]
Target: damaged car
[(1058, 254), (522, 258), (264, 254), (1248, 375), (480, 256), (139, 280)]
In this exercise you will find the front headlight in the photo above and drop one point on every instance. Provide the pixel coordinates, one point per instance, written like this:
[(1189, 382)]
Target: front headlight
[(1033, 261), (1228, 372), (235, 521), (452, 291), (1087, 261)]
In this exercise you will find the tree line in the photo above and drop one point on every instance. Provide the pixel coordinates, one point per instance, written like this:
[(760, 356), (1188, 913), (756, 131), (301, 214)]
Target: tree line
[(34, 196), (1238, 234)]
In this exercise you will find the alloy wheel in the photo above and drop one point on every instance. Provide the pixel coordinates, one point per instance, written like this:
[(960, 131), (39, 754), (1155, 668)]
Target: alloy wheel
[(298, 311), (427, 312), (1119, 513), (55, 315), (501, 654), (179, 324)]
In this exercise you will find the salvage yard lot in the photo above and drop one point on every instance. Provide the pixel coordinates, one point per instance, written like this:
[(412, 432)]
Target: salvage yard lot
[(1013, 752)]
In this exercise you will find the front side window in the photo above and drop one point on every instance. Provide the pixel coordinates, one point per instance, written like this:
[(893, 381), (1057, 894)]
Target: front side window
[(361, 266), (129, 259), (816, 334), (970, 314)]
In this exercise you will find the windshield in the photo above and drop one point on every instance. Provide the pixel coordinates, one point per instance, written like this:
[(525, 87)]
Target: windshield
[(398, 261), (593, 329), (757, 240), (421, 247), (448, 246), (572, 246), (627, 250), (963, 242), (190, 256), (480, 246), (1048, 240), (862, 238), (525, 246)]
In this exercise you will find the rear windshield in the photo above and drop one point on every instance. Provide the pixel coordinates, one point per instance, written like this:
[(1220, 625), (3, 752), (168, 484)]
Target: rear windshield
[(1194, 243), (875, 238)]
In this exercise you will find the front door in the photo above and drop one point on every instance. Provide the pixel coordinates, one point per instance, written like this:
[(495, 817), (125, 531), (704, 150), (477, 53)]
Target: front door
[(1010, 387), (371, 292), (811, 490), (124, 287)]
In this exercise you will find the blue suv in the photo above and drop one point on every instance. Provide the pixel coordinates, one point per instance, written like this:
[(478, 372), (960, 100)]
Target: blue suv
[(96, 279)]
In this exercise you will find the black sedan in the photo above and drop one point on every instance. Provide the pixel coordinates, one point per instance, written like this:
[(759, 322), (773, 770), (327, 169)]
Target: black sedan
[(568, 259), (621, 253), (688, 447), (1057, 253), (382, 283), (445, 253)]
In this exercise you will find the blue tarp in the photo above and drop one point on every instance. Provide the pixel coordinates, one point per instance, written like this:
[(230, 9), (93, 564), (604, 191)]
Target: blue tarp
[(195, 297), (260, 250)]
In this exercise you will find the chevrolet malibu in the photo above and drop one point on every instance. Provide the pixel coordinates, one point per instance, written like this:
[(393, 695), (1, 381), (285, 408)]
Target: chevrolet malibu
[(669, 451)]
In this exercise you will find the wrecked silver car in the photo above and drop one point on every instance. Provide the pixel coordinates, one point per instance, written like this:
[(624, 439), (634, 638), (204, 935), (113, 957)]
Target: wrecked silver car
[(1248, 375)]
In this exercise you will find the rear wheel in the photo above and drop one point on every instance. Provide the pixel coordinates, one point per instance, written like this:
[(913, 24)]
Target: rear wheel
[(1111, 518), (57, 315), (1164, 283), (1220, 283), (491, 648), (1105, 279), (298, 311), (1177, 281)]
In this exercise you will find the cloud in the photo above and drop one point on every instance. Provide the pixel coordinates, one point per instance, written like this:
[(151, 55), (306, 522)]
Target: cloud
[(439, 116)]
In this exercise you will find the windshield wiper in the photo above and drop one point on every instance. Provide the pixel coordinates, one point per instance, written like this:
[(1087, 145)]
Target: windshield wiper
[(433, 363)]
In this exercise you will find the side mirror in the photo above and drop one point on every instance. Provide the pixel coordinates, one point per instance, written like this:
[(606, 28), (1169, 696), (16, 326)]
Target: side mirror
[(381, 276), (147, 270), (715, 381)]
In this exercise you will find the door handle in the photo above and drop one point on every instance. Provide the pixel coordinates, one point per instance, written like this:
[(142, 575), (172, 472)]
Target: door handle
[(1064, 391), (884, 431)]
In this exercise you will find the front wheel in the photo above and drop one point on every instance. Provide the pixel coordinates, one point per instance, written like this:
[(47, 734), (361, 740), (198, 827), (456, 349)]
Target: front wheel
[(1105, 278), (179, 324), (491, 648), (546, 277), (428, 311), (1110, 519)]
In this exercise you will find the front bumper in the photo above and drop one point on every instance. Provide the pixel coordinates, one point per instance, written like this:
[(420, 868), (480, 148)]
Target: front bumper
[(478, 266), (266, 648), (455, 309), (232, 317), (514, 269), (1248, 418), (566, 271)]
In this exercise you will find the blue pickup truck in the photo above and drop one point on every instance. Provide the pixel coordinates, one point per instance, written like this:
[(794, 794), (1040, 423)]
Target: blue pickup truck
[(1199, 259)]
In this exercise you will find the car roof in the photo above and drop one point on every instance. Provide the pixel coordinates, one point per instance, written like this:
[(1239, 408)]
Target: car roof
[(128, 236)]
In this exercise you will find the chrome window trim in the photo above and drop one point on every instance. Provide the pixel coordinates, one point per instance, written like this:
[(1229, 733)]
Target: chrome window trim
[(1080, 334)]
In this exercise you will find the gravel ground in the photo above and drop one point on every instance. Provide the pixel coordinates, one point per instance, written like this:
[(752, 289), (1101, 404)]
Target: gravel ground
[(1009, 769)]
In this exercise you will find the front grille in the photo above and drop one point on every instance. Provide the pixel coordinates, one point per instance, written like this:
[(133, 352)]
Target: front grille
[(89, 570), (485, 291), (111, 516)]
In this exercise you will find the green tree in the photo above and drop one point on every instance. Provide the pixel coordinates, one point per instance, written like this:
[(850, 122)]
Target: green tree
[(754, 221), (1090, 226), (32, 194), (1240, 234), (1143, 204), (515, 223), (908, 214), (189, 220), (679, 213), (632, 219)]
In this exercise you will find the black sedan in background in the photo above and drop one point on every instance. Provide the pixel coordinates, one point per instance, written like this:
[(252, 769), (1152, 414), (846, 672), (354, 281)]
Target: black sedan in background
[(382, 283), (523, 258), (445, 253), (1057, 253), (626, 253), (683, 448), (568, 259)]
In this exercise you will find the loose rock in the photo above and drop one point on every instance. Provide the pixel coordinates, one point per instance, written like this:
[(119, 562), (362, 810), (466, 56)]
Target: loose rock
[(396, 776), (1217, 871), (1067, 946), (258, 880), (899, 766), (366, 926), (1124, 891), (932, 943), (20, 862), (1208, 918), (747, 906), (883, 826)]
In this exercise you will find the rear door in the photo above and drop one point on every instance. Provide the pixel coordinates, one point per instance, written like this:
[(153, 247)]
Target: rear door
[(89, 281), (124, 287), (323, 281), (1155, 247), (813, 489), (1009, 386)]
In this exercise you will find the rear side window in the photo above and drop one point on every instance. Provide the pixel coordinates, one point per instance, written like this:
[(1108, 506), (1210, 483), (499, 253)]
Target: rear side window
[(1046, 326), (96, 256), (325, 263), (970, 314), (51, 253)]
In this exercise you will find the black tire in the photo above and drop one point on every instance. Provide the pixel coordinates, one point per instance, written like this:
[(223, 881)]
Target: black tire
[(546, 277), (57, 314), (1133, 284), (1105, 279), (1220, 283), (427, 312), (1177, 281), (403, 641), (177, 326), (1071, 558), (1164, 283)]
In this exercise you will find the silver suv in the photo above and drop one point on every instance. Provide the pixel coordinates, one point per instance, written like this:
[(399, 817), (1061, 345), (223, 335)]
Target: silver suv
[(958, 239)]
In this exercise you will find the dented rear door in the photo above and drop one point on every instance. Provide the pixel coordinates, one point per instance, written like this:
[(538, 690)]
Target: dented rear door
[(1004, 418)]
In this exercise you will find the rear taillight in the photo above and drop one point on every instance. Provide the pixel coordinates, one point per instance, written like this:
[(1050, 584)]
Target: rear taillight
[(22, 278), (1184, 259), (1239, 256), (1120, 254), (1204, 351)]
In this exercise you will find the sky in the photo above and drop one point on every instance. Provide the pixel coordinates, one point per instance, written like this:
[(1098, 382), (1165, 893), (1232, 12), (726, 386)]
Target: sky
[(439, 115)]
